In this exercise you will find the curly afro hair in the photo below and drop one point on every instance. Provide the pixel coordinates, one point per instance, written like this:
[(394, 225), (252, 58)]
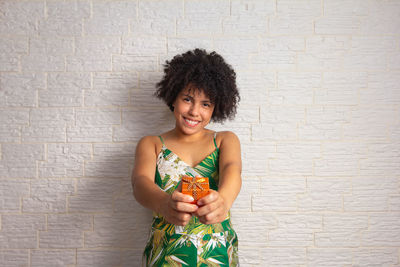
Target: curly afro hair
[(206, 71)]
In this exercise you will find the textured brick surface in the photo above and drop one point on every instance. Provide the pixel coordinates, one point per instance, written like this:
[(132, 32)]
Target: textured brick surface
[(318, 122)]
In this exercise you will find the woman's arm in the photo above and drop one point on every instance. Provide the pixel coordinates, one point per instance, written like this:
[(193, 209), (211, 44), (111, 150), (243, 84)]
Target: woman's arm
[(215, 206), (175, 208)]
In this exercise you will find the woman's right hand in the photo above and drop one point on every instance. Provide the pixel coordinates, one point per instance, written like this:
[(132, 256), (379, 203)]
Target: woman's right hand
[(177, 208)]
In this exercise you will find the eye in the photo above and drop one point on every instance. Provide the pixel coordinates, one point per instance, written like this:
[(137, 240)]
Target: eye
[(206, 105), (186, 99)]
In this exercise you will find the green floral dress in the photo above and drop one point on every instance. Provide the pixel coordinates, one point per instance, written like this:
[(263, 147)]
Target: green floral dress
[(195, 244)]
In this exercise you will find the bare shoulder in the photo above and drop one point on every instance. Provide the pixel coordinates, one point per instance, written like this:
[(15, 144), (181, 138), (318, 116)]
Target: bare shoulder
[(227, 138), (148, 144)]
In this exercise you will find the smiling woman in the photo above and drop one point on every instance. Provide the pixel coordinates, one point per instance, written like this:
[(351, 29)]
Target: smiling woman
[(198, 87)]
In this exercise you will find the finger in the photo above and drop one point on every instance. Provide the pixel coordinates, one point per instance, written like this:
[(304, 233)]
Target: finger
[(209, 218), (178, 196), (184, 207), (206, 209), (211, 197)]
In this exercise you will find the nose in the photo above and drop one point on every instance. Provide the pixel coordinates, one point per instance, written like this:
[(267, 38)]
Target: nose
[(194, 109)]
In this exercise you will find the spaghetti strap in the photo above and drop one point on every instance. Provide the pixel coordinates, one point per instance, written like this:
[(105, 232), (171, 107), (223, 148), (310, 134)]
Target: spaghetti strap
[(215, 142), (162, 141)]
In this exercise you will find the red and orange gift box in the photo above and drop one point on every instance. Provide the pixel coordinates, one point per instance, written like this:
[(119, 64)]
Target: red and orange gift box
[(197, 187)]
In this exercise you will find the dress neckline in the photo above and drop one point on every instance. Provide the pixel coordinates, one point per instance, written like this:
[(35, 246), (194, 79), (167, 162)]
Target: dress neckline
[(164, 148)]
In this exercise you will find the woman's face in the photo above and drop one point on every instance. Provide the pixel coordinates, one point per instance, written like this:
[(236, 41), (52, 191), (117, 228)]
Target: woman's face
[(192, 110)]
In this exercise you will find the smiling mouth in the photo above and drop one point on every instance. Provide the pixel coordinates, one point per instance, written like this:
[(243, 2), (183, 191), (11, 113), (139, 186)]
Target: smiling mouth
[(190, 122)]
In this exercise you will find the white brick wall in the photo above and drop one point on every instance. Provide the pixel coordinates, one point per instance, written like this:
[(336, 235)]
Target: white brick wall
[(319, 123)]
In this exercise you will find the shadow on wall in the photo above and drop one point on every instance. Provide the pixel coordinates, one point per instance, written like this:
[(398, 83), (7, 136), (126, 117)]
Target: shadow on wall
[(121, 225)]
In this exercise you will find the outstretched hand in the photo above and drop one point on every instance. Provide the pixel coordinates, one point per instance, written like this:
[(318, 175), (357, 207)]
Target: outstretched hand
[(177, 208), (212, 208)]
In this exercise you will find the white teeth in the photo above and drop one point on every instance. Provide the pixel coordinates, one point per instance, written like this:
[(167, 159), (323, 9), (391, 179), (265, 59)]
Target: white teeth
[(190, 122)]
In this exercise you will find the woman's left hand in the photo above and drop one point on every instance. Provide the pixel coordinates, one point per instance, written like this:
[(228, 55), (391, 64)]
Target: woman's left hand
[(212, 208)]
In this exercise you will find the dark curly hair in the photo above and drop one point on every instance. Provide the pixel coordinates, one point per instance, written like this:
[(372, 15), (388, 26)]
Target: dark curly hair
[(206, 71)]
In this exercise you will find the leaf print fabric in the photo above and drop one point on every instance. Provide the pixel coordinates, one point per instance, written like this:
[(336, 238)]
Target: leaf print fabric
[(195, 244)]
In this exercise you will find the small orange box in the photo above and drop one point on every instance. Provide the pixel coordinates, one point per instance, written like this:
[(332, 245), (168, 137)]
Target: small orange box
[(197, 187)]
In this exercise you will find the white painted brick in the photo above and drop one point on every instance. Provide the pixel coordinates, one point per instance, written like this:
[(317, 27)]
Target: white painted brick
[(94, 195), (231, 48), (98, 116), (394, 203), (344, 7), (111, 89), (283, 256), (382, 20), (207, 8), (161, 119), (12, 258), (64, 18), (14, 45), (329, 257), (345, 221), (324, 194), (111, 160), (14, 116), (19, 89), (166, 13), (64, 160), (117, 231), (340, 158), (324, 123), (18, 239), (245, 24), (295, 18), (70, 98), (359, 126), (250, 7), (52, 257), (254, 86), (244, 222), (178, 45), (100, 62), (382, 89), (23, 222), (9, 62), (278, 53), (393, 60), (250, 187), (12, 191), (340, 25), (19, 160), (111, 18), (69, 221), (99, 258), (134, 63), (60, 81), (61, 238), (19, 17), (89, 133), (295, 158), (10, 133), (43, 134), (40, 117), (377, 256), (131, 255), (51, 46), (295, 230), (48, 195), (278, 194), (341, 88), (278, 122), (324, 53), (144, 45), (369, 52), (39, 62), (205, 25), (384, 230), (338, 238), (295, 88), (249, 255), (94, 46)]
